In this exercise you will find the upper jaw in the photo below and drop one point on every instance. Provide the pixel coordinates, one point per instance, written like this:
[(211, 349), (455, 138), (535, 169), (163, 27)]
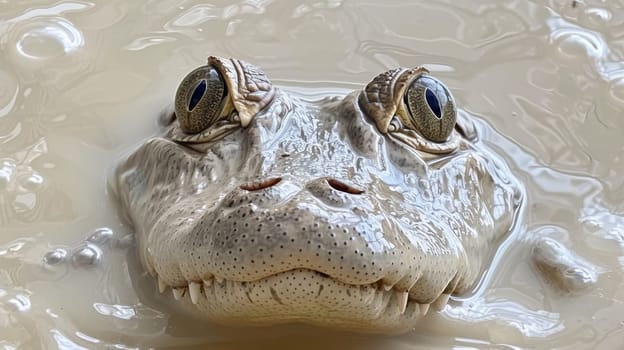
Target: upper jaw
[(200, 235)]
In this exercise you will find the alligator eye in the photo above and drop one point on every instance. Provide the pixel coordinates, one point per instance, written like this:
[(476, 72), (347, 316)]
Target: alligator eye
[(431, 108), (200, 99)]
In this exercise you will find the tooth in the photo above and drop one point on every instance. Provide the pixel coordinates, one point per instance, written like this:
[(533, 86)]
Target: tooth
[(386, 299), (219, 279), (194, 291), (386, 287), (208, 283), (440, 303), (378, 299), (402, 300), (424, 308), (177, 293), (161, 285), (368, 293)]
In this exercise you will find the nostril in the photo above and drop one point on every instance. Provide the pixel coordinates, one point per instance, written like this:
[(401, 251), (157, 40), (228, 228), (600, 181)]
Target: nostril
[(259, 185), (343, 187)]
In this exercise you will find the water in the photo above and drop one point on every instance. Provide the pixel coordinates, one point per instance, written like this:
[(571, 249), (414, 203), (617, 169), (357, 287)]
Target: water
[(81, 83)]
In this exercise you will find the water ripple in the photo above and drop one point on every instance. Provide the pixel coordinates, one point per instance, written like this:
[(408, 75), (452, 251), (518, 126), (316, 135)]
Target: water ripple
[(47, 38), (547, 74), (9, 89), (575, 43), (22, 187), (531, 323)]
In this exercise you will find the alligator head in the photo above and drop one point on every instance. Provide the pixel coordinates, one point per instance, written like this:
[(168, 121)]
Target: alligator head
[(355, 212)]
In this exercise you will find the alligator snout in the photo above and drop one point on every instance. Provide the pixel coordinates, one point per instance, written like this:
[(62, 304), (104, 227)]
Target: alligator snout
[(333, 227)]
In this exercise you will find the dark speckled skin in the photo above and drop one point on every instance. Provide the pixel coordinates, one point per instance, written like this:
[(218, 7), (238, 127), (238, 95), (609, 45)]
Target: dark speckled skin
[(299, 213)]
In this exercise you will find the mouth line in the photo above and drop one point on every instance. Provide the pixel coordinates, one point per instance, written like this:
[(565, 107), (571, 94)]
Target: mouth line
[(196, 290)]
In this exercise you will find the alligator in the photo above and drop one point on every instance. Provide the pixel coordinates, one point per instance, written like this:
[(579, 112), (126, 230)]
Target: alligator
[(361, 212)]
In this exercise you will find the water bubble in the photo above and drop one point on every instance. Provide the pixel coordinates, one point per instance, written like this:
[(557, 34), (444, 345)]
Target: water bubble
[(55, 256), (87, 255), (101, 236), (32, 182)]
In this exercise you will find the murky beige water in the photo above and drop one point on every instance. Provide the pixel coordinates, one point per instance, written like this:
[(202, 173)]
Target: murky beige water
[(82, 83)]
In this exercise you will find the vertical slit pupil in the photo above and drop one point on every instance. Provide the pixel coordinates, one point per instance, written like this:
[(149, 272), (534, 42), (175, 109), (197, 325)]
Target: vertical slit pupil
[(433, 103), (198, 93)]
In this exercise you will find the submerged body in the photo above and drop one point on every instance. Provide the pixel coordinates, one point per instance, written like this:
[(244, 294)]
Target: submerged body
[(358, 212)]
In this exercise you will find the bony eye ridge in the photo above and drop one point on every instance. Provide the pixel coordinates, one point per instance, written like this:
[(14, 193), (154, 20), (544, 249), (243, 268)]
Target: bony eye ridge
[(200, 99), (423, 105)]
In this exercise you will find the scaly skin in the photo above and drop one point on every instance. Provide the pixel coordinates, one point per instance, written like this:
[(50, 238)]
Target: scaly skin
[(336, 213)]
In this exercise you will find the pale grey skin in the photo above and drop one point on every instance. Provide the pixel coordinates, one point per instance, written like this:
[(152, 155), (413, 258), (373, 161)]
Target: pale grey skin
[(335, 213)]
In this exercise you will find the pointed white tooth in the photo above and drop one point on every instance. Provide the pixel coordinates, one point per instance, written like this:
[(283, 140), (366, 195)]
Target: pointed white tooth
[(194, 291), (177, 293), (368, 294), (424, 308), (386, 287), (161, 285), (378, 298), (386, 299), (440, 303), (402, 301)]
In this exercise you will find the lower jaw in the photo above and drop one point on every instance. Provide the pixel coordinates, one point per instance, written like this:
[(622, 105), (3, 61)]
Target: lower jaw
[(306, 296)]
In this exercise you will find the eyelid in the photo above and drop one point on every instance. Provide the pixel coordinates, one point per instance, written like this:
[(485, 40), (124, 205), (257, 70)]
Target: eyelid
[(251, 90), (382, 98)]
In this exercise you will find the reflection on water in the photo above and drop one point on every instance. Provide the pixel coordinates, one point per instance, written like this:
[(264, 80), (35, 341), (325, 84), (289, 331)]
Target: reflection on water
[(81, 83)]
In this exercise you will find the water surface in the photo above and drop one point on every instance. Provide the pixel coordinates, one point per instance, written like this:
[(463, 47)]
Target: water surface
[(81, 84)]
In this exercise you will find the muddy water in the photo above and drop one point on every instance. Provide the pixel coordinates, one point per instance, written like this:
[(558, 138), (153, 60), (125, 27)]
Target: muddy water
[(81, 83)]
